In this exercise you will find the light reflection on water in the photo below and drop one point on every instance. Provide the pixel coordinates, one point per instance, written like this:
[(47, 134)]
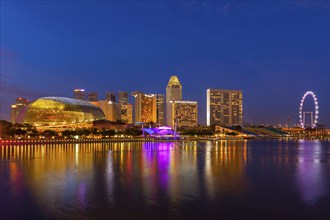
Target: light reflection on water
[(310, 178), (174, 179)]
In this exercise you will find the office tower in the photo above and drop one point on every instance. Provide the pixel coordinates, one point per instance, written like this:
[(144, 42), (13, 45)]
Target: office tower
[(17, 108), (110, 109), (22, 102), (160, 108), (184, 113), (123, 97), (110, 96), (92, 97), (126, 108), (126, 113), (79, 94), (145, 107), (224, 107), (173, 93), (13, 114)]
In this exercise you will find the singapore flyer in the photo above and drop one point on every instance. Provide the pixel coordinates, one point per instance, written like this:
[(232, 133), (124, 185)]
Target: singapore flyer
[(302, 114)]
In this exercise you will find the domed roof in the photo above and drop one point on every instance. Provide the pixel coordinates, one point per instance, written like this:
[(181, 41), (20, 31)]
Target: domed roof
[(59, 110)]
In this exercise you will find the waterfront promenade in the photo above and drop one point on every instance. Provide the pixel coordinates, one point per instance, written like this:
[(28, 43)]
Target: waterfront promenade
[(99, 140)]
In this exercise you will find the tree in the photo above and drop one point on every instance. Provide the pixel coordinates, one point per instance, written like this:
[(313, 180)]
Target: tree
[(49, 133), (134, 131), (6, 128), (232, 133)]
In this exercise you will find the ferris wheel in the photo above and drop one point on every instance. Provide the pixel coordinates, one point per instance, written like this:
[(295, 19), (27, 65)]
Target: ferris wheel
[(302, 115)]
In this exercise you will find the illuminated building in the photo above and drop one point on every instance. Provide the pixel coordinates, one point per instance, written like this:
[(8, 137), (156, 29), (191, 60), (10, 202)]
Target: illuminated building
[(224, 107), (173, 93), (79, 94), (60, 112), (13, 114), (145, 107), (92, 97), (110, 96), (123, 97), (126, 111), (110, 109), (22, 102), (160, 108), (184, 113), (17, 108)]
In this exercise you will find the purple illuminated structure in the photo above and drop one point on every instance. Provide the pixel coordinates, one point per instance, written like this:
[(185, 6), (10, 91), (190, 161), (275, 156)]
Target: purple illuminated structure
[(302, 114), (162, 132)]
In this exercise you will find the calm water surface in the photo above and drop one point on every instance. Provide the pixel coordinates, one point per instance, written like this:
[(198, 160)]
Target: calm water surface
[(199, 180)]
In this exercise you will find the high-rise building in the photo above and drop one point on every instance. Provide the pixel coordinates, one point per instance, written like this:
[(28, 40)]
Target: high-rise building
[(110, 109), (160, 108), (126, 108), (13, 113), (123, 97), (224, 107), (79, 94), (20, 104), (184, 113), (126, 113), (92, 97), (145, 107), (110, 96), (173, 93)]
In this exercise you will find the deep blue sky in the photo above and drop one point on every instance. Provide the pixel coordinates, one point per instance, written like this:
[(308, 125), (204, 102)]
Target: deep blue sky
[(272, 51)]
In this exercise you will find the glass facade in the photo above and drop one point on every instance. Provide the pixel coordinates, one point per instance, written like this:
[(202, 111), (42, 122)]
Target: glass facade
[(184, 113), (17, 108), (79, 94), (145, 107), (60, 111), (224, 107), (173, 93)]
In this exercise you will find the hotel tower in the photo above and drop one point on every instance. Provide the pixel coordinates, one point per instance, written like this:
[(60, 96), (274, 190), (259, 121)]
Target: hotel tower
[(224, 107)]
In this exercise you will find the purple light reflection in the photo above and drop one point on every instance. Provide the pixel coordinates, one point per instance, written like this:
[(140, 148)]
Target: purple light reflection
[(158, 156), (310, 172), (82, 195)]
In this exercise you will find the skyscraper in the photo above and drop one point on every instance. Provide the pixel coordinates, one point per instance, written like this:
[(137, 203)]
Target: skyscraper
[(110, 96), (126, 113), (145, 107), (160, 108), (13, 113), (22, 102), (184, 113), (92, 97), (110, 109), (123, 97), (17, 108), (79, 94), (126, 108), (173, 93), (224, 107)]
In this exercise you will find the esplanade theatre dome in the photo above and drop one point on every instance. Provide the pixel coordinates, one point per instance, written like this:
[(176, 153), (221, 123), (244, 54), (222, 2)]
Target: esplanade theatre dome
[(60, 112)]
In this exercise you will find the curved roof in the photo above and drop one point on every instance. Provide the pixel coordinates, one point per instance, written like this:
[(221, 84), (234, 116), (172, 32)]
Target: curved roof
[(174, 80), (65, 100), (160, 131), (58, 111)]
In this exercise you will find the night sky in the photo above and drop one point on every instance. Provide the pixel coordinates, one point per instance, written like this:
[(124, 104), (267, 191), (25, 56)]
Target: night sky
[(273, 51)]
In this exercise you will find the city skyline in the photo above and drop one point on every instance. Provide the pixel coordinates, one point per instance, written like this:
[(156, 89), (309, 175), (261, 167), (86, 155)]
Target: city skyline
[(273, 52)]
